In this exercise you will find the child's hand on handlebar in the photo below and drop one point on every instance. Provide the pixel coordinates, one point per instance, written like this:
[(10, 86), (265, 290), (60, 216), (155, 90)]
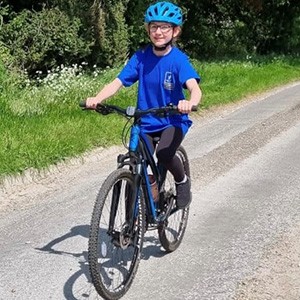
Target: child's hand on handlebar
[(184, 106), (91, 102)]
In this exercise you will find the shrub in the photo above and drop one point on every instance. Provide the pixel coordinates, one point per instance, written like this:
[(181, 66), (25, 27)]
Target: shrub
[(111, 32), (42, 40)]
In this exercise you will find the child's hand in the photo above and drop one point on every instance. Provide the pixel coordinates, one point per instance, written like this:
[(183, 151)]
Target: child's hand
[(184, 106), (92, 102)]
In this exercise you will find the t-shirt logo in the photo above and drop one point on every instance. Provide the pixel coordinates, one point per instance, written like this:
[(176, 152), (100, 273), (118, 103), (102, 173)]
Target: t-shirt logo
[(169, 81)]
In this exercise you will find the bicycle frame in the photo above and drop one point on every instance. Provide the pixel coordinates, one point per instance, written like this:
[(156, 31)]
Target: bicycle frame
[(139, 159)]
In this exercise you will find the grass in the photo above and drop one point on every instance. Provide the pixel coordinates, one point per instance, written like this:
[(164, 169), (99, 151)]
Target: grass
[(231, 81), (41, 123)]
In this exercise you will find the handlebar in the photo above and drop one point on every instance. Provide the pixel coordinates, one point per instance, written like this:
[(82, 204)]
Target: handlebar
[(132, 111)]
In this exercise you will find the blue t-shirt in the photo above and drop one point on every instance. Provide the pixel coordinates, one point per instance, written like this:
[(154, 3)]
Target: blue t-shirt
[(161, 82)]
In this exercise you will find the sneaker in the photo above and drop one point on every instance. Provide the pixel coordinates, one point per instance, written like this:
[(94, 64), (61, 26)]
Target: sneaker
[(183, 192)]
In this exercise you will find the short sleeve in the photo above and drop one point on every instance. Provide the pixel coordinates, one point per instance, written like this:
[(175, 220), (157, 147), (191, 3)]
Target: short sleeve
[(187, 71), (129, 74)]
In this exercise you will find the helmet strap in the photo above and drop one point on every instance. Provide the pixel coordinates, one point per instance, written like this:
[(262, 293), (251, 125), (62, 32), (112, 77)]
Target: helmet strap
[(163, 47)]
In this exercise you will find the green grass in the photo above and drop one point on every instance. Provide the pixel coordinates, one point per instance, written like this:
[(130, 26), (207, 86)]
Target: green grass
[(230, 81), (43, 125)]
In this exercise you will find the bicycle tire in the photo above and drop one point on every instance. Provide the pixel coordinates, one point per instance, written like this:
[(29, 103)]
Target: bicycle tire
[(114, 258), (171, 231)]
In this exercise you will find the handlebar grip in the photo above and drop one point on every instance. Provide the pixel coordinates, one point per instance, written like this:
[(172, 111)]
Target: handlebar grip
[(82, 104), (194, 108)]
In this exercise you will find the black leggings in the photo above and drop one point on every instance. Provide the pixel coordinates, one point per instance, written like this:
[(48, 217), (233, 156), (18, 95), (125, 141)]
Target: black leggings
[(170, 140)]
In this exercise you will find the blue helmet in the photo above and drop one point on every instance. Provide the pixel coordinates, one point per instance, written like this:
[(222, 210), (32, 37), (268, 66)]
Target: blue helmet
[(164, 12)]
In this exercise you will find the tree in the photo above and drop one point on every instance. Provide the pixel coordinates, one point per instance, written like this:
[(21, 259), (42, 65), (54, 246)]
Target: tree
[(41, 34), (44, 39), (111, 32), (216, 28), (274, 25)]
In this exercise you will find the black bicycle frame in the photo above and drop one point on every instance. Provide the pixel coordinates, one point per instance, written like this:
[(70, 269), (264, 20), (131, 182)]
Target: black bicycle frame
[(139, 161)]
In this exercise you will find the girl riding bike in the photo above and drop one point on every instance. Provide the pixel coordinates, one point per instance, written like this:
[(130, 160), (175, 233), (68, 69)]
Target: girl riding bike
[(162, 71)]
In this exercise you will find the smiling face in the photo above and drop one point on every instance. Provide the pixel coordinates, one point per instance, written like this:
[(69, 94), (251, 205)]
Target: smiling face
[(162, 33)]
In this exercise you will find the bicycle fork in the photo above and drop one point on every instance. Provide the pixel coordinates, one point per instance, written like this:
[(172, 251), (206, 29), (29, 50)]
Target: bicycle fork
[(124, 236)]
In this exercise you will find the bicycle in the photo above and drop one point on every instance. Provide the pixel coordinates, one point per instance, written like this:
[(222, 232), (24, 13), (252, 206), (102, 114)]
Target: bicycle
[(127, 206)]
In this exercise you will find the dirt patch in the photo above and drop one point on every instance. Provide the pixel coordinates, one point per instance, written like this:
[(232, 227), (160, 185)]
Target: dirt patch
[(23, 191)]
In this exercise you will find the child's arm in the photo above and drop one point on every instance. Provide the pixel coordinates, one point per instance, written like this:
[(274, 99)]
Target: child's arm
[(108, 91), (185, 106)]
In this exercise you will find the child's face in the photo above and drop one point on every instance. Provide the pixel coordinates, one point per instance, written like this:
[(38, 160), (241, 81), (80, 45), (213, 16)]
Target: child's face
[(161, 33)]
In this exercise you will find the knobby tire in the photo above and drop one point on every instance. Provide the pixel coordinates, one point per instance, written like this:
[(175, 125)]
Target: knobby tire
[(113, 261)]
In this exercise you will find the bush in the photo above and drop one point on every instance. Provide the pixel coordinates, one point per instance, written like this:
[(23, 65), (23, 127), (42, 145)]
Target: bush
[(42, 40), (111, 32)]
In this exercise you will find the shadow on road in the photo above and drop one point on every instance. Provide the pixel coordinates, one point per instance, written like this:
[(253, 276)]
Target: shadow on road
[(71, 292)]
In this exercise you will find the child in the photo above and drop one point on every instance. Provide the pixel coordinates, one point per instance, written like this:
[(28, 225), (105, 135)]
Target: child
[(162, 71)]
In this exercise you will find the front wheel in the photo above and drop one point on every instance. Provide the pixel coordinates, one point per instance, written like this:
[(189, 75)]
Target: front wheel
[(116, 235), (171, 231)]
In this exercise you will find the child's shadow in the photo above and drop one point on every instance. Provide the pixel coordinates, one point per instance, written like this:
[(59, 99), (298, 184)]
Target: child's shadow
[(151, 248)]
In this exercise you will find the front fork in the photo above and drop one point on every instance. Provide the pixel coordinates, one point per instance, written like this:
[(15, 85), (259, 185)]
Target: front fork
[(132, 194)]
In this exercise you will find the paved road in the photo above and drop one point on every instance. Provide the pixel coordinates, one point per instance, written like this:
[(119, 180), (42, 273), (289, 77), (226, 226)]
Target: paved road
[(246, 192)]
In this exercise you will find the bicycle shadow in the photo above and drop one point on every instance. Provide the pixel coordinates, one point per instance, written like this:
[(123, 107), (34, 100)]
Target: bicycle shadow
[(151, 249)]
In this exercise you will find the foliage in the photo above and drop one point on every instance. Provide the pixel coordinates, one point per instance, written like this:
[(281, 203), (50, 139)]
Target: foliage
[(39, 35), (42, 40), (227, 28), (209, 30), (111, 32), (135, 20)]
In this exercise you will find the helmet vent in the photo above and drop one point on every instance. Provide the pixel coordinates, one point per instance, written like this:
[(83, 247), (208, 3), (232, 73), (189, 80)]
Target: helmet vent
[(165, 11)]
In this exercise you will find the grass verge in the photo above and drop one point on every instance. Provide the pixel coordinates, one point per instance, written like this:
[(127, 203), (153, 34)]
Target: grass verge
[(41, 124)]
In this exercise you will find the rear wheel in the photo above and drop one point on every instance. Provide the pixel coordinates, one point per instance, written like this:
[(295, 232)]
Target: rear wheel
[(115, 241), (171, 231)]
